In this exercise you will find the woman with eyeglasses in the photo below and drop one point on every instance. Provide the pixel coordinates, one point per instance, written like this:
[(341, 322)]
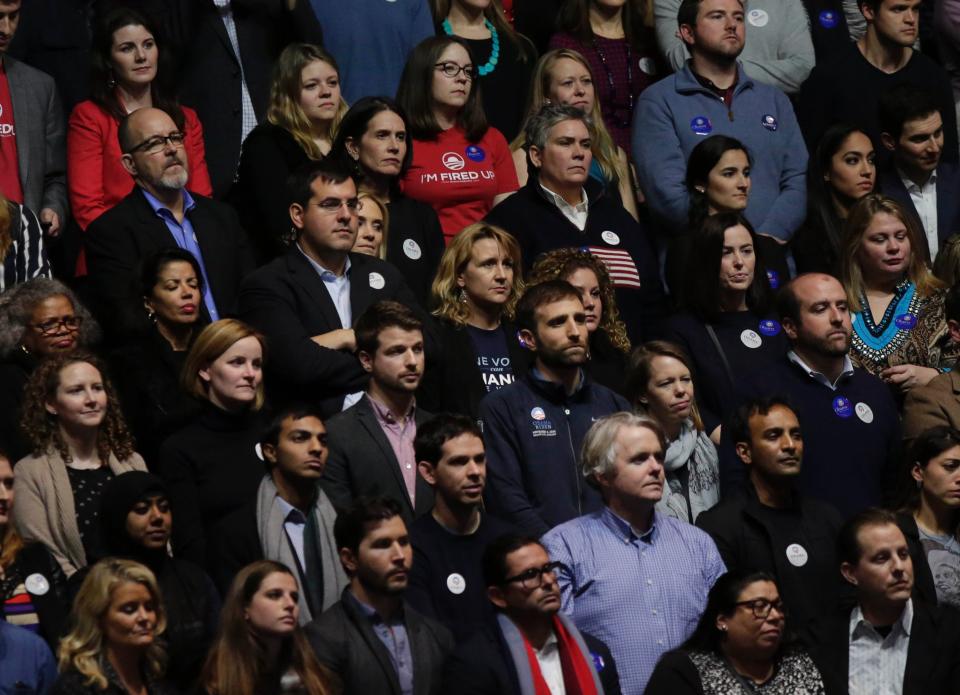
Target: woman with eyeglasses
[(80, 442), (741, 645), (38, 319), (622, 53), (461, 165), (129, 70)]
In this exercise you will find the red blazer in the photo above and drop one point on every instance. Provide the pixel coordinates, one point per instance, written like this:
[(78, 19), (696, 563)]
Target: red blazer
[(97, 181)]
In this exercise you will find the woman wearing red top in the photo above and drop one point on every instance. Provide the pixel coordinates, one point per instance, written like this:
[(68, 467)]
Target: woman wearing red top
[(125, 76), (461, 166)]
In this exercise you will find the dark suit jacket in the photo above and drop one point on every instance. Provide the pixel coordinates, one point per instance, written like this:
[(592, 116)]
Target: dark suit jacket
[(287, 300), (932, 663), (482, 666), (948, 196), (362, 462), (123, 237), (346, 643)]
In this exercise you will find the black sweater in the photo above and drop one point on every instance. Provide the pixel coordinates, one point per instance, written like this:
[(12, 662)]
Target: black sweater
[(414, 243)]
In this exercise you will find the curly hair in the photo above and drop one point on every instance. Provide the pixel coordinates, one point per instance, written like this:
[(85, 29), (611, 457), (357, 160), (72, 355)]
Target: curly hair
[(562, 263), (83, 648), (17, 305), (285, 110), (446, 293), (42, 428)]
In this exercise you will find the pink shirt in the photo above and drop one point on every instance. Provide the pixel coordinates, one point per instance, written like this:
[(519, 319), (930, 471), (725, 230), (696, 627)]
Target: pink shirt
[(400, 436)]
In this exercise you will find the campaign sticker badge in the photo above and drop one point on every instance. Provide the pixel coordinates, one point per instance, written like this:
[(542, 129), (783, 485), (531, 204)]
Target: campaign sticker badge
[(769, 122), (647, 65), (411, 249), (456, 584), (37, 584), (537, 413), (828, 19), (769, 327), (598, 662), (751, 339), (864, 412), (773, 277), (701, 125), (905, 322), (797, 555), (611, 238), (376, 281), (758, 18), (842, 407), (476, 153)]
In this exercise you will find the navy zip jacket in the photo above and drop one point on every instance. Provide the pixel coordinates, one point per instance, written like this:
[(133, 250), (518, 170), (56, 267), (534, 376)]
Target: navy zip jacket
[(532, 432)]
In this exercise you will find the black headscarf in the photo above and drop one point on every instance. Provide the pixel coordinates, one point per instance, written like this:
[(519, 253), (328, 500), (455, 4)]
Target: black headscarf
[(120, 495)]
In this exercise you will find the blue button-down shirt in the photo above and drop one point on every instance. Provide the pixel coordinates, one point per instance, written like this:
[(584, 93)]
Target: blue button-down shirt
[(641, 594), (186, 238), (393, 634)]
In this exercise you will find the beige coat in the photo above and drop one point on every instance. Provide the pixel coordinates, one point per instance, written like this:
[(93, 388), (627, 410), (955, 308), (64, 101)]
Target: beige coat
[(937, 403), (43, 510)]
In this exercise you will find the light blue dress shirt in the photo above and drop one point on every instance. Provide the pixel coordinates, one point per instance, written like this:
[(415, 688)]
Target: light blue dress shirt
[(394, 636)]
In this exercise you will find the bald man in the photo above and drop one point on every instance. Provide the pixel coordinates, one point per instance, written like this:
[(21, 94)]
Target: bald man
[(160, 213)]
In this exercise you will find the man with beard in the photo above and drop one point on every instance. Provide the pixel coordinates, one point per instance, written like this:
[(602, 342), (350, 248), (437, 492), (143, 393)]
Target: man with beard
[(533, 428), (713, 95), (160, 212), (852, 427), (371, 443), (531, 643), (371, 639), (769, 525)]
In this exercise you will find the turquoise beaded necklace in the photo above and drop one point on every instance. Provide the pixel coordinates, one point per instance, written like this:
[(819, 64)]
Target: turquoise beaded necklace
[(491, 63)]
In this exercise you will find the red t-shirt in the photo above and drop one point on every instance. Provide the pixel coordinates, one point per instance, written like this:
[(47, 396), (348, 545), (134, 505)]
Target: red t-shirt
[(460, 178), (9, 166)]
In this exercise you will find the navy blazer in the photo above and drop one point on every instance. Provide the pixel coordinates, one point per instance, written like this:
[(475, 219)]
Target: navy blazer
[(948, 196)]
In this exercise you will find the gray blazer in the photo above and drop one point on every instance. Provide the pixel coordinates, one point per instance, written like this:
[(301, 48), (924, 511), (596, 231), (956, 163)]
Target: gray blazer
[(345, 642), (41, 138), (362, 463)]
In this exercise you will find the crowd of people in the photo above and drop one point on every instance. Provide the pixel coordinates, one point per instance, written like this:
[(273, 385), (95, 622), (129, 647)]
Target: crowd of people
[(481, 347)]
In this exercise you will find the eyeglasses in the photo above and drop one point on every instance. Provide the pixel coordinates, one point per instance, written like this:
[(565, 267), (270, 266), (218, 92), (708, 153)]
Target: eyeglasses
[(761, 607), (71, 323), (333, 205), (533, 577), (158, 144), (452, 70)]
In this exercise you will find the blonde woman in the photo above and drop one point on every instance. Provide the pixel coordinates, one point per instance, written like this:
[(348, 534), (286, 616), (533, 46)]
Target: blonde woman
[(373, 221), (305, 109), (897, 305), (563, 76), (113, 647), (475, 294)]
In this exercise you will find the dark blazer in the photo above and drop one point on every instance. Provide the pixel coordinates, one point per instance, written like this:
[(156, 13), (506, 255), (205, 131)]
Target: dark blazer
[(287, 300), (932, 663), (362, 462), (948, 202), (123, 237), (483, 666), (346, 643), (923, 586)]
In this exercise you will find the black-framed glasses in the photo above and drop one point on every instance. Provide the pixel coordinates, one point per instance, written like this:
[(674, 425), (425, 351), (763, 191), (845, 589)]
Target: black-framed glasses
[(533, 577), (761, 607), (71, 323), (452, 70), (158, 144)]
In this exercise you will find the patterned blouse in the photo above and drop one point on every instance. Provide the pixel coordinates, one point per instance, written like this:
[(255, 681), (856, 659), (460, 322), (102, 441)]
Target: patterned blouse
[(795, 674), (913, 330)]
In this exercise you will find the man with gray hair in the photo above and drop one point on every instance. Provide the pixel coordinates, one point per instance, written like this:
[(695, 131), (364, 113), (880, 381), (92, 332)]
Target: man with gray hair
[(563, 205), (635, 579)]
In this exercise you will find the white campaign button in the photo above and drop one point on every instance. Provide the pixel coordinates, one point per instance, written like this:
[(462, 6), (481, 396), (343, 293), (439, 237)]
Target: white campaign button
[(648, 66), (797, 555), (258, 451), (864, 412), (456, 584), (611, 238), (751, 339), (37, 584), (376, 281), (411, 249), (758, 18)]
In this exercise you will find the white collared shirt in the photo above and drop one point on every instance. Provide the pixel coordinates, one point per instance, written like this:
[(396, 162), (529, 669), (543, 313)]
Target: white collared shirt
[(817, 376), (577, 214), (925, 201), (877, 663), (548, 657)]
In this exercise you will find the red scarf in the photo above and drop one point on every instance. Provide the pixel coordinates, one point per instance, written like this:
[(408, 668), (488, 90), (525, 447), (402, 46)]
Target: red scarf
[(577, 677)]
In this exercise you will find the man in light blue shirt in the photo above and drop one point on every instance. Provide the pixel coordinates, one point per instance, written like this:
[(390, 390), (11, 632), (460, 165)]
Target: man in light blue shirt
[(634, 579)]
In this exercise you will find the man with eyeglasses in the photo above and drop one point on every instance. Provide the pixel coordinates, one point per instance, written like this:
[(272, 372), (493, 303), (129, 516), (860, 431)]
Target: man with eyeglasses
[(159, 213), (634, 578), (889, 643), (307, 300), (531, 647)]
